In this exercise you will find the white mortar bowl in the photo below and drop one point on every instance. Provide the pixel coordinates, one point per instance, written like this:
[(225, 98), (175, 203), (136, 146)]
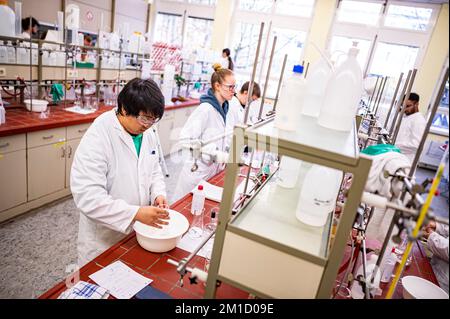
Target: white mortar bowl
[(38, 105), (419, 288), (160, 240)]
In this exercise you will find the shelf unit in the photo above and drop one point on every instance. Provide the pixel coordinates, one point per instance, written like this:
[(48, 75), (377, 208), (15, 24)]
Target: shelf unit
[(264, 249)]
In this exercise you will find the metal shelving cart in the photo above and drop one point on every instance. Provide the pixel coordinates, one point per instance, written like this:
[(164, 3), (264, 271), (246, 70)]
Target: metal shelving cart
[(263, 248)]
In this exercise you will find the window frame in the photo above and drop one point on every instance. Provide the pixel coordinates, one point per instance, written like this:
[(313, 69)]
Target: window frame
[(272, 20)]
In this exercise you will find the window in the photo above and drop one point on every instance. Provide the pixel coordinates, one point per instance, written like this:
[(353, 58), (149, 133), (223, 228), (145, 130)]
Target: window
[(168, 28), (392, 59), (204, 2), (198, 33), (295, 7), (441, 119), (256, 5), (359, 12), (288, 20), (244, 45), (412, 18)]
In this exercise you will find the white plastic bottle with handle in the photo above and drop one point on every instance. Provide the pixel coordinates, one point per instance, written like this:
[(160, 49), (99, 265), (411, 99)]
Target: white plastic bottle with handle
[(318, 195), (316, 84), (290, 102), (342, 94)]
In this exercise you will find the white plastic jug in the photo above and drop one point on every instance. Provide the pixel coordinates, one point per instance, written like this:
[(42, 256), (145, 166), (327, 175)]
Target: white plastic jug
[(290, 102), (7, 20), (318, 195), (288, 172), (316, 84), (342, 94)]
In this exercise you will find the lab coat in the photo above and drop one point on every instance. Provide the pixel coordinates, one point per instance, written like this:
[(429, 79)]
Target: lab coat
[(109, 183), (235, 116), (203, 124), (410, 134), (438, 245)]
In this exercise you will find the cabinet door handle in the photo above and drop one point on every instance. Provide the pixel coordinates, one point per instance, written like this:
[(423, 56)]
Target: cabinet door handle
[(69, 155), (47, 137), (4, 145), (82, 131), (63, 153)]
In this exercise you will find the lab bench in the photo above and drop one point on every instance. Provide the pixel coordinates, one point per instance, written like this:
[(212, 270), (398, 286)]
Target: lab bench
[(154, 265), (166, 278)]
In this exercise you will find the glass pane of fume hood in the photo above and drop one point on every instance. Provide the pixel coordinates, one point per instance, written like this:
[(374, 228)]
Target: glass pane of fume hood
[(313, 135), (271, 214)]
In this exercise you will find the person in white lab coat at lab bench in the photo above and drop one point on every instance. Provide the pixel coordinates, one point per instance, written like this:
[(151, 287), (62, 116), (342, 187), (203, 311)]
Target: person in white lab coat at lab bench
[(437, 243), (411, 129), (116, 176), (207, 121), (236, 109)]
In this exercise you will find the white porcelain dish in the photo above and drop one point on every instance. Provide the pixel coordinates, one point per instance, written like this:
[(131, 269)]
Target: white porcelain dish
[(159, 240), (419, 288), (38, 105)]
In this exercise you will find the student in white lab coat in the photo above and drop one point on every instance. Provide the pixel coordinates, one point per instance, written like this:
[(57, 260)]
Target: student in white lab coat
[(227, 61), (411, 129), (437, 243), (207, 121), (116, 176), (236, 109)]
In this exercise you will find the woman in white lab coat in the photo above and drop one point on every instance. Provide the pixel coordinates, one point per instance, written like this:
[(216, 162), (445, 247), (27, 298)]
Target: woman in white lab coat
[(207, 121), (116, 176), (227, 61), (437, 243), (411, 130)]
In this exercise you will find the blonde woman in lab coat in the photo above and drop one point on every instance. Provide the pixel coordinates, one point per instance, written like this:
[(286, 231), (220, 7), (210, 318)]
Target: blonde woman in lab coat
[(411, 129), (207, 121), (116, 178)]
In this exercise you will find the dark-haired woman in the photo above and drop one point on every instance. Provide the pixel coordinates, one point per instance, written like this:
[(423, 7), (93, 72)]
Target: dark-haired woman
[(116, 178), (227, 61), (207, 121)]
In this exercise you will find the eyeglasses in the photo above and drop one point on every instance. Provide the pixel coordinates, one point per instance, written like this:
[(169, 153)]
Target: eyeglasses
[(147, 120), (230, 87)]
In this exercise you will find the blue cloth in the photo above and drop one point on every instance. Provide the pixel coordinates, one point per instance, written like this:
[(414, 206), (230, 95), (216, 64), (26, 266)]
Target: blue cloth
[(210, 98), (84, 290)]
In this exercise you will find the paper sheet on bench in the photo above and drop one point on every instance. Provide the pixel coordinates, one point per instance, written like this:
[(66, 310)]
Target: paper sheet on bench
[(120, 280)]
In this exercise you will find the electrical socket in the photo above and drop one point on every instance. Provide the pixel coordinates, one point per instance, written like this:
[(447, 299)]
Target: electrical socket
[(2, 72), (72, 74)]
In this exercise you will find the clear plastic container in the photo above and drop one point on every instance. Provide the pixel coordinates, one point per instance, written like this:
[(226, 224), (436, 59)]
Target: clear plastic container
[(11, 53), (318, 195), (388, 267), (316, 84), (290, 102), (3, 54), (7, 20), (288, 172), (198, 201), (342, 94)]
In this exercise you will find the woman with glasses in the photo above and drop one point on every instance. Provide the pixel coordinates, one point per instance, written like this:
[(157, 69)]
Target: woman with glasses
[(116, 178), (207, 121)]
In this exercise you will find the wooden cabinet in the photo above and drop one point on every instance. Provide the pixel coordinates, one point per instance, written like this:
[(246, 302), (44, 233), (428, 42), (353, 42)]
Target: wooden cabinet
[(13, 185), (71, 147), (46, 170)]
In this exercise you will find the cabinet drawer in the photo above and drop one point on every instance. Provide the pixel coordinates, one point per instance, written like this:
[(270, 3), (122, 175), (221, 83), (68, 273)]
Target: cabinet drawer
[(46, 137), (77, 131), (12, 143)]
